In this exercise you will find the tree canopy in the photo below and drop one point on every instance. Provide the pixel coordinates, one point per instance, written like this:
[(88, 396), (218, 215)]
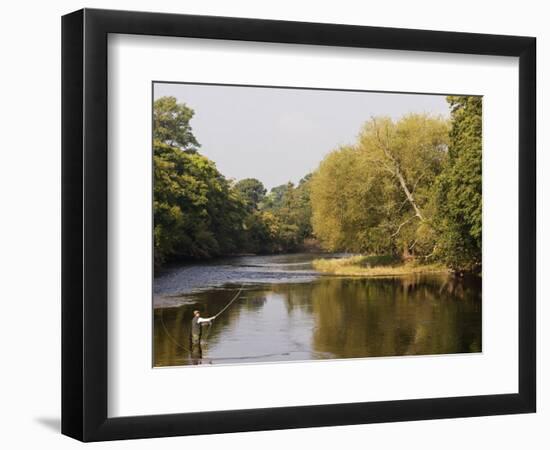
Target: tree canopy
[(171, 124), (409, 188), (198, 213), (459, 201), (252, 192), (377, 195)]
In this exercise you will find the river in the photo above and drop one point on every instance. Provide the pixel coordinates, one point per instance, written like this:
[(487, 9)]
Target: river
[(286, 311)]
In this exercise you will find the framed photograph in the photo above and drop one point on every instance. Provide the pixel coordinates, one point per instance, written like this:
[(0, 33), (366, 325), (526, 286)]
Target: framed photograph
[(272, 224)]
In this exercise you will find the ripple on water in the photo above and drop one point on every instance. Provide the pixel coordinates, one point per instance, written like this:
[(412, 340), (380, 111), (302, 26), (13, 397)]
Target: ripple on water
[(177, 282)]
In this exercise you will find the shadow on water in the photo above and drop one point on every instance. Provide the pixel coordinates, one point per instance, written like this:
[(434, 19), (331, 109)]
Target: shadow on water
[(325, 318)]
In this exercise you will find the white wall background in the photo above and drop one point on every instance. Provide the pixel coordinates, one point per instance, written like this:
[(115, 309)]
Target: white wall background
[(30, 226)]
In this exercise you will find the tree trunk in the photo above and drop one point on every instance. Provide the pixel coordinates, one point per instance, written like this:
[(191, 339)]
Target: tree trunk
[(408, 193), (406, 254)]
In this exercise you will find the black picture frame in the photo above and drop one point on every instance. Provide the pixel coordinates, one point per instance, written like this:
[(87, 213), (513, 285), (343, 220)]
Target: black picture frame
[(84, 224)]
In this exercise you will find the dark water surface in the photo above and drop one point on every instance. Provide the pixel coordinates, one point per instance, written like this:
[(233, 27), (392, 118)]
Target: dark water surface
[(286, 311)]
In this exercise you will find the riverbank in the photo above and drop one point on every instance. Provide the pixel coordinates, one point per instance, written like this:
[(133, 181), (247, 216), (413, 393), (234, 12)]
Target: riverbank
[(374, 266)]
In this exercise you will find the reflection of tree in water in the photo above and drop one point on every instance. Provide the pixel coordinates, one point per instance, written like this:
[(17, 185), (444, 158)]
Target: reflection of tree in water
[(337, 317), (382, 317), (253, 300), (297, 296), (164, 350)]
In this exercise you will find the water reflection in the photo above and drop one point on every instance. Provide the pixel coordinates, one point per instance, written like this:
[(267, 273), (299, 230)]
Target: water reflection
[(326, 318)]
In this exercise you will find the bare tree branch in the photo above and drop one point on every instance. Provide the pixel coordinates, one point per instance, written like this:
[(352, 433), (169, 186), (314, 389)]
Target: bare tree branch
[(417, 181), (409, 195), (403, 224), (432, 252)]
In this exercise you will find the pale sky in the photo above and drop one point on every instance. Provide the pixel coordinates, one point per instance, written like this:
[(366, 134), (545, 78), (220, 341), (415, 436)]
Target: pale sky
[(278, 135)]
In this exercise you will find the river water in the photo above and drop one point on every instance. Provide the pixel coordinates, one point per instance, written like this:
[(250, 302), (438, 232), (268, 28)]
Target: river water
[(286, 311)]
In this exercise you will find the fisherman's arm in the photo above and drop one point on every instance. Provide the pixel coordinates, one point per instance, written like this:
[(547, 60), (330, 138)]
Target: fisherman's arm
[(205, 319)]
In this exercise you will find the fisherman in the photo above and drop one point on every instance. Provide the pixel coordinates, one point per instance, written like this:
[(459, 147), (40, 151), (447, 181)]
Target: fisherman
[(196, 326)]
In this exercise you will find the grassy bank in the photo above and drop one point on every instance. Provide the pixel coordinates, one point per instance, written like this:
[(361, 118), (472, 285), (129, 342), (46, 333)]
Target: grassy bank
[(374, 266)]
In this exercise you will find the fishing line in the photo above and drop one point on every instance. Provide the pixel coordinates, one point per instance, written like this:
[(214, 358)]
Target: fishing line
[(222, 310), (232, 300), (168, 333), (174, 341)]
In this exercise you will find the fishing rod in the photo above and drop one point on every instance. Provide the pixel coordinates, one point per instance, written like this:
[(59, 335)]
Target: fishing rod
[(231, 302), (178, 344), (235, 297)]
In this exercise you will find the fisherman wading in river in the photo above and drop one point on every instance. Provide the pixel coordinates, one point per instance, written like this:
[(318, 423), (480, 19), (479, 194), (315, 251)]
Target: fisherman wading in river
[(196, 327)]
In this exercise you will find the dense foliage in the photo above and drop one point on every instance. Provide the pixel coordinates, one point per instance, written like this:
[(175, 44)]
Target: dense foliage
[(409, 188), (459, 188), (377, 197), (198, 213)]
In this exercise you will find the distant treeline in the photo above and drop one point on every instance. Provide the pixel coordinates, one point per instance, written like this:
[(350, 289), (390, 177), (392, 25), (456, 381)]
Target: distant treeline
[(410, 188)]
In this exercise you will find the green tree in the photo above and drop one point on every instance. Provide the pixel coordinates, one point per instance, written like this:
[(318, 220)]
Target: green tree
[(171, 124), (197, 214), (348, 208), (252, 192), (412, 152), (290, 205), (303, 208), (377, 196), (274, 200), (459, 200)]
